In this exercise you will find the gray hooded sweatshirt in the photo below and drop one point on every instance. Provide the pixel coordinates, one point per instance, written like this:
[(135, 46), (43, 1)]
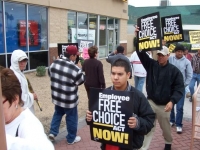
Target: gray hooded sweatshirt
[(184, 65), (26, 96)]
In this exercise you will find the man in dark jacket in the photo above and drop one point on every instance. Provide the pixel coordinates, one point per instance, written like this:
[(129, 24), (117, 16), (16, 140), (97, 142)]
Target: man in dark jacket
[(119, 53), (165, 87), (143, 115)]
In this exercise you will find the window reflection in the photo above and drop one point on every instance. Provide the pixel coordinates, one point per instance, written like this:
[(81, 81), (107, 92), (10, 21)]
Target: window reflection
[(102, 37), (37, 29), (71, 26), (1, 30), (2, 60), (82, 26), (14, 13), (102, 31), (93, 28), (110, 23), (38, 59)]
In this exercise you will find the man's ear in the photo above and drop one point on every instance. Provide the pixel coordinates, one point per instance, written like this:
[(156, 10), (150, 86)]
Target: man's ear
[(128, 75)]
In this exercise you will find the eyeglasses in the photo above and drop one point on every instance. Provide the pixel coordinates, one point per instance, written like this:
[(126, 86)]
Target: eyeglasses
[(5, 101)]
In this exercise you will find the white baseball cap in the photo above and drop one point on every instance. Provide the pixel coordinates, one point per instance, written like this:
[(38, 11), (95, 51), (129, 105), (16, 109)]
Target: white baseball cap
[(164, 51)]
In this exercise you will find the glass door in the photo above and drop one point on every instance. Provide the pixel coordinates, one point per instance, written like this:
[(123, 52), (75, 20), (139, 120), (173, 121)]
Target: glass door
[(111, 41)]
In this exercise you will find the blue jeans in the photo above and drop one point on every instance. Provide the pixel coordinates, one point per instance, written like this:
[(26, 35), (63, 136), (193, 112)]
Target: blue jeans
[(71, 122), (139, 82), (195, 78), (179, 112)]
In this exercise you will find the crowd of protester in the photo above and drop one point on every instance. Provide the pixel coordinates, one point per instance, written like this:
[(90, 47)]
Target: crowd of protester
[(168, 80)]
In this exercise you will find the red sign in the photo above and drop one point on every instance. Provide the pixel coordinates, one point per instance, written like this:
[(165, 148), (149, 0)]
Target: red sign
[(32, 33)]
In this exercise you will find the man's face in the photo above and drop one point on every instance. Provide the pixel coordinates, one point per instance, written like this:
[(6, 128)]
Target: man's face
[(179, 54), (162, 59), (185, 52), (119, 78), (73, 58), (22, 64)]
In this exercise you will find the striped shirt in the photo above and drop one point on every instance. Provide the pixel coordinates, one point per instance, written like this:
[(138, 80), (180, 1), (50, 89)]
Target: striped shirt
[(65, 78)]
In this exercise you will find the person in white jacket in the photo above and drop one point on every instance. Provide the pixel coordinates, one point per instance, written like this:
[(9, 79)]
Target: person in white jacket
[(138, 71), (18, 64), (23, 130)]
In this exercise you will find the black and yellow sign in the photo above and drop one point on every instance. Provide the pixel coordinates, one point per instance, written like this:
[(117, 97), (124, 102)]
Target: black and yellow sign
[(111, 111), (171, 48), (172, 28), (195, 39), (149, 35)]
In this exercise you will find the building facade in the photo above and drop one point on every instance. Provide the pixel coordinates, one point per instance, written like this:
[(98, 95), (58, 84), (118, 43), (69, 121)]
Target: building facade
[(38, 26)]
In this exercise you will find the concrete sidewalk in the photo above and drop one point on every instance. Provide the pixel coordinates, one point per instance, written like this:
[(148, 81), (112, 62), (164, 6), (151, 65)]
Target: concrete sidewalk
[(180, 142)]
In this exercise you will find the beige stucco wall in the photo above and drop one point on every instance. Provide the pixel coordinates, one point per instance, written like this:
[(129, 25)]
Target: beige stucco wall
[(130, 47), (57, 25), (123, 31), (113, 8)]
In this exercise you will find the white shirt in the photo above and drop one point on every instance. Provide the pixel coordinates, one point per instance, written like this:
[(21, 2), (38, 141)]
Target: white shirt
[(31, 134), (138, 69)]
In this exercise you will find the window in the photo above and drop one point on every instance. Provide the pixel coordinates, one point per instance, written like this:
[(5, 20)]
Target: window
[(102, 37), (1, 31), (110, 23), (38, 59), (102, 31), (82, 26), (14, 13), (37, 28), (93, 28), (71, 26)]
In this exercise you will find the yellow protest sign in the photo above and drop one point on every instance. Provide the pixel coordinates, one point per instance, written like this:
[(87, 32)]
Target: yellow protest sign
[(171, 47), (195, 39)]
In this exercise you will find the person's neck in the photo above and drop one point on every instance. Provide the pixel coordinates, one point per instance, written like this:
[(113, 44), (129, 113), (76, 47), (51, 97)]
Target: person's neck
[(179, 58), (123, 88), (16, 114), (163, 64)]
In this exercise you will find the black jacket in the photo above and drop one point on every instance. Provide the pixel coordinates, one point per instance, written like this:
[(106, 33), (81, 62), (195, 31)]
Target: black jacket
[(146, 118), (163, 83)]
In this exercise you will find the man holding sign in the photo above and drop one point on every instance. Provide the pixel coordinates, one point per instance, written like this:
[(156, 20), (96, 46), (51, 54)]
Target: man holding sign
[(165, 87), (142, 118)]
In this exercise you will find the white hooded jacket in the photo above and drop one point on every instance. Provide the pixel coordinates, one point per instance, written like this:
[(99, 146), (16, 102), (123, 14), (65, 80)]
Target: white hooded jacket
[(26, 96)]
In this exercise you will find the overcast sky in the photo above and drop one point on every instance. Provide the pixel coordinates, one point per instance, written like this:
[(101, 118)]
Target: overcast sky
[(142, 3)]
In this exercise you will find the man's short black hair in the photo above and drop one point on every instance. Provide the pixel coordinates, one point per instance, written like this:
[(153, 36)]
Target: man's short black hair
[(120, 49), (121, 63), (179, 47)]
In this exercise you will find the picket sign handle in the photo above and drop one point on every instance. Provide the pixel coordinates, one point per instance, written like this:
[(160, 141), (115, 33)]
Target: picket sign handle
[(2, 124)]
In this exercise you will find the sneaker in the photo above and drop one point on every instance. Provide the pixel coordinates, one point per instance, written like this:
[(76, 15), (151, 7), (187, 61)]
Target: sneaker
[(77, 139), (188, 95), (179, 130), (51, 137), (167, 147), (172, 124)]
